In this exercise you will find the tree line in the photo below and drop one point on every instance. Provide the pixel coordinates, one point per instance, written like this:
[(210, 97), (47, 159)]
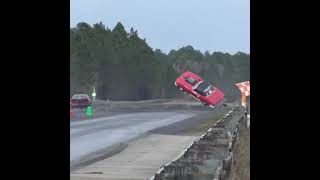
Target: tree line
[(122, 66)]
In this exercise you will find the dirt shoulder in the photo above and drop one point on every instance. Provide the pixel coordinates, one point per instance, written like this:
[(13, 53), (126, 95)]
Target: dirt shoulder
[(241, 166)]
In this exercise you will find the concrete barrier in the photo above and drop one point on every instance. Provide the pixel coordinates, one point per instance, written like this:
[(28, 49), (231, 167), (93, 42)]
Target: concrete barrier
[(217, 143), (227, 162), (230, 147), (218, 171)]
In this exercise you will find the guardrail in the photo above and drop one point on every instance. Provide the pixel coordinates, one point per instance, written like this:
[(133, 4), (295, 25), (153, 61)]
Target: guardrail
[(211, 155)]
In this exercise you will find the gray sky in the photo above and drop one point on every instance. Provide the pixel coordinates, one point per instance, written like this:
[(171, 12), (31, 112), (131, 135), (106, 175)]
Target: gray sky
[(213, 25)]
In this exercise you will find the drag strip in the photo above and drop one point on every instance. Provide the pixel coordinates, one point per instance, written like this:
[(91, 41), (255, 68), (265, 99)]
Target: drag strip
[(92, 135)]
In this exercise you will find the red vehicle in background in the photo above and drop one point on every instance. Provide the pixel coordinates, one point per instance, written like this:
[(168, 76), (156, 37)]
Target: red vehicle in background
[(80, 101), (194, 85)]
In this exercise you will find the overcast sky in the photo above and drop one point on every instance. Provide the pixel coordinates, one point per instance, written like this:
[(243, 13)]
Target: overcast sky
[(213, 25)]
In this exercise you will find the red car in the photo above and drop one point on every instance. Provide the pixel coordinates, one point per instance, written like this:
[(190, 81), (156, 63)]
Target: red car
[(80, 100), (194, 85)]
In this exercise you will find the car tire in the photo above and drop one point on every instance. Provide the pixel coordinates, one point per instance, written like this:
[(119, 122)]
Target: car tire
[(212, 106)]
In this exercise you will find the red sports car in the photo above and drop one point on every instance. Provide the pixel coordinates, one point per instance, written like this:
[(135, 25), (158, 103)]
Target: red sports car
[(194, 85), (80, 100)]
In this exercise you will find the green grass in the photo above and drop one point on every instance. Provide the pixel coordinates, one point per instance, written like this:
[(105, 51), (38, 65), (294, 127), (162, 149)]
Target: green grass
[(241, 169)]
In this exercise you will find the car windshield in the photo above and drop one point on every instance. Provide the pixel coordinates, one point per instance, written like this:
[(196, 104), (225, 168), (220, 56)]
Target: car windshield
[(80, 96), (204, 88)]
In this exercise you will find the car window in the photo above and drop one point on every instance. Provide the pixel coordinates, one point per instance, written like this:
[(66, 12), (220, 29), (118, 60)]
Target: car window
[(204, 88), (200, 92), (210, 91)]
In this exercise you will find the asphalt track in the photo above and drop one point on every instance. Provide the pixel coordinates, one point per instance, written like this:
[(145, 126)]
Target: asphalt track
[(111, 131), (92, 135)]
